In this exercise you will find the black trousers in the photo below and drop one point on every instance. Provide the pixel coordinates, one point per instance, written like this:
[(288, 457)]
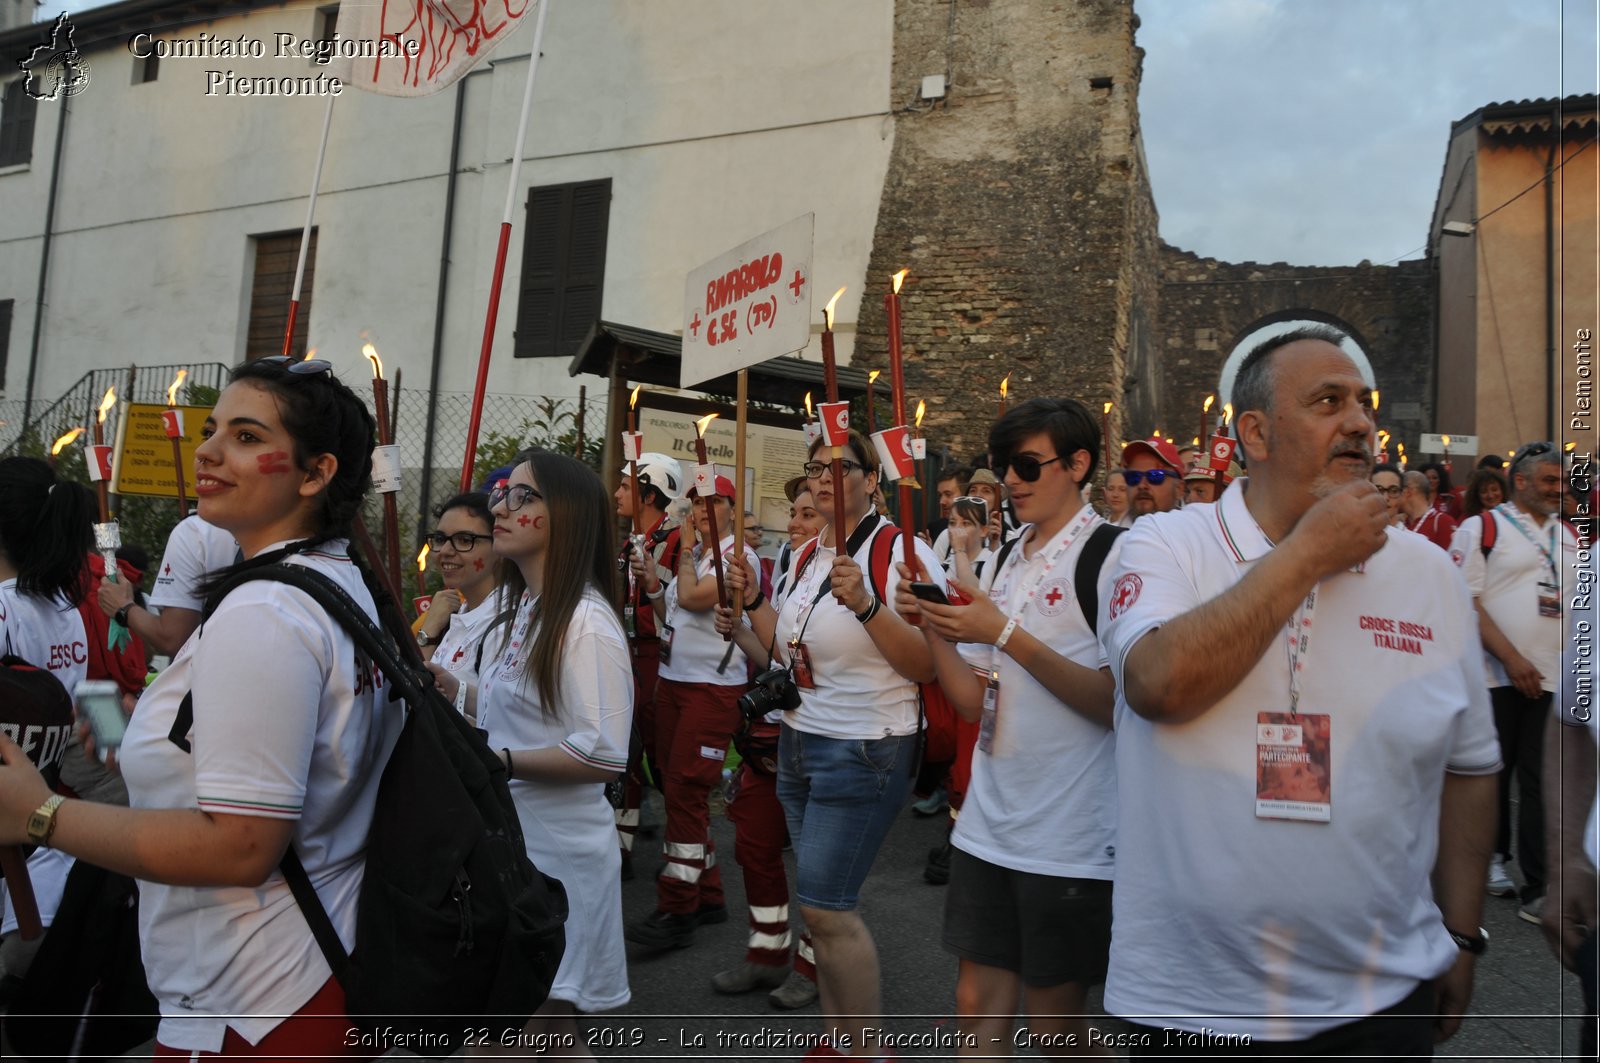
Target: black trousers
[(1404, 1031), (1520, 722)]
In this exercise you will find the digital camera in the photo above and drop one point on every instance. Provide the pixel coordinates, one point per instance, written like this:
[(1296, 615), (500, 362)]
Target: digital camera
[(772, 689)]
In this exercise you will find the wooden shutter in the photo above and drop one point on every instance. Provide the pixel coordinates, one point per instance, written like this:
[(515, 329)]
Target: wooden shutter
[(276, 255), (6, 306), (17, 111), (563, 268)]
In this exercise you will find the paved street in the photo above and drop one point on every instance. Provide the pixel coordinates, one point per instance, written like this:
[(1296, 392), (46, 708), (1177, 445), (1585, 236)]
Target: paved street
[(1520, 993)]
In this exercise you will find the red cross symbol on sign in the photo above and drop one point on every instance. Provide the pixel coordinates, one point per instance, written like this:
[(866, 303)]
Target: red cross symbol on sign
[(694, 326), (1054, 596), (796, 284), (167, 571)]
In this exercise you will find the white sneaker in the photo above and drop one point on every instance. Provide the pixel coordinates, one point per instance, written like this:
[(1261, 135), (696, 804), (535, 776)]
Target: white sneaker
[(1500, 884)]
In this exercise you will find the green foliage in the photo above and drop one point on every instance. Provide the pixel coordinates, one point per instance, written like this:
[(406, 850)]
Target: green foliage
[(550, 426)]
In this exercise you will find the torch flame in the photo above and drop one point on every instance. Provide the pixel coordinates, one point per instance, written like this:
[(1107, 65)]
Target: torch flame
[(1383, 436), (1227, 413), (422, 559), (1003, 384), (172, 392), (370, 353), (922, 408), (1106, 408), (898, 279), (310, 354), (872, 377), (66, 440), (106, 403), (809, 414), (827, 311), (1209, 400), (700, 425), (1446, 441), (1197, 441), (1374, 400), (633, 400), (1571, 447)]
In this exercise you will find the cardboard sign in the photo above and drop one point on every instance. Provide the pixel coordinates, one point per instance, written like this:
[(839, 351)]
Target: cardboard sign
[(144, 449), (1433, 443), (749, 304)]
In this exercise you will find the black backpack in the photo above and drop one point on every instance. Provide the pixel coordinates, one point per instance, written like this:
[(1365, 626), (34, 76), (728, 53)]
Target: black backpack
[(453, 919)]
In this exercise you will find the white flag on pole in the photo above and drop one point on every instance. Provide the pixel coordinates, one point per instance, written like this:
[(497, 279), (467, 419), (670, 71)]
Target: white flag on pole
[(417, 47)]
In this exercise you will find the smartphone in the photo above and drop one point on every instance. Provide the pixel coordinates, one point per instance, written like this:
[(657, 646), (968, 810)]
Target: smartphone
[(929, 592), (99, 703)]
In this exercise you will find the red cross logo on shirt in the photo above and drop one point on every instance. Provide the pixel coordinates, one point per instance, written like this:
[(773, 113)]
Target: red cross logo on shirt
[(456, 656), (1054, 596)]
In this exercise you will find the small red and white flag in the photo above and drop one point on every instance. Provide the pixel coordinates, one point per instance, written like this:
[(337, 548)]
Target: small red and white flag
[(172, 421), (99, 462), (417, 47), (894, 452), (835, 417), (632, 446)]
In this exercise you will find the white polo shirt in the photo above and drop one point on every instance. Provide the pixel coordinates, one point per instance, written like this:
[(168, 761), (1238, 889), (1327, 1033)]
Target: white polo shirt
[(858, 695), (286, 726), (1218, 913), (1507, 583), (1043, 799), (459, 648), (697, 649), (195, 550)]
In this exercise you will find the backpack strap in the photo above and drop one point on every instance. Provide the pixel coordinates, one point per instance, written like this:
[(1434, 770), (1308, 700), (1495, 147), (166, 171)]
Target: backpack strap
[(881, 558), (1000, 558), (1086, 576), (380, 650), (1486, 541)]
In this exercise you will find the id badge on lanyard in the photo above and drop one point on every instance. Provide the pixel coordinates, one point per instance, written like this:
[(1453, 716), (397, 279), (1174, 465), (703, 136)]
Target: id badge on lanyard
[(1293, 750), (991, 707), (666, 644), (800, 666), (630, 622)]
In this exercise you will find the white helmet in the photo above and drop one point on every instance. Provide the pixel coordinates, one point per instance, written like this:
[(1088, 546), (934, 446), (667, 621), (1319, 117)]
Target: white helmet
[(661, 472)]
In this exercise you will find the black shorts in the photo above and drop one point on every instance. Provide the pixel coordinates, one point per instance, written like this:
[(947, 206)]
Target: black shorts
[(1049, 930)]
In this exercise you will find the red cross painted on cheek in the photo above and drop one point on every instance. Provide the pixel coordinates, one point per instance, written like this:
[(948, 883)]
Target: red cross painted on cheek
[(477, 564), (524, 521), (274, 463)]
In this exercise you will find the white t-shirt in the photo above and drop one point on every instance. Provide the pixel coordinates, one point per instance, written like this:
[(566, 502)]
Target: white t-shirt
[(1043, 800), (195, 550), (1507, 583), (858, 695), (569, 829), (457, 652), (287, 725), (697, 649), (1219, 913), (49, 635)]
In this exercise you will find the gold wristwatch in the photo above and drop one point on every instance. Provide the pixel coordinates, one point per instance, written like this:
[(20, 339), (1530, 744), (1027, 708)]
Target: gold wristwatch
[(42, 823)]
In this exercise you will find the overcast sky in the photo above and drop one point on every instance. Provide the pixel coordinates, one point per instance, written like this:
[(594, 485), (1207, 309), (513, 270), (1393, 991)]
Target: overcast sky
[(1314, 131)]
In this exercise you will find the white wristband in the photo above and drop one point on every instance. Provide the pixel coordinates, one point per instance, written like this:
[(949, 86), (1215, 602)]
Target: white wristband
[(1005, 634), (461, 698)]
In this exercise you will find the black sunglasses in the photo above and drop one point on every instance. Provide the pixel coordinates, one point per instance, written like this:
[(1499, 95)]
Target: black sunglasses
[(1531, 450), (462, 541), (1157, 477), (299, 367), (513, 497), (1028, 468)]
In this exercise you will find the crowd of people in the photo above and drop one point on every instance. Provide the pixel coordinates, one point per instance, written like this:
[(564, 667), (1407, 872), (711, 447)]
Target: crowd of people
[(1140, 717)]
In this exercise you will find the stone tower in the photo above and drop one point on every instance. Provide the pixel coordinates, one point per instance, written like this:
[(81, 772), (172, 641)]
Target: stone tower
[(1020, 202)]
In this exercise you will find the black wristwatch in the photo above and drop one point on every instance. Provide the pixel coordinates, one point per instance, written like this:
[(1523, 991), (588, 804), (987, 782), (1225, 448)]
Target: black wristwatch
[(121, 615), (1475, 944)]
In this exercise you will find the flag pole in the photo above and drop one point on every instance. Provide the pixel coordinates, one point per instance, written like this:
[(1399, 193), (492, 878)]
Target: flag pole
[(305, 234), (493, 311)]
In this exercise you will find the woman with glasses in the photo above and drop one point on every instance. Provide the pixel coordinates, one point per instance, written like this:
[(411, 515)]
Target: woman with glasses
[(451, 631), (556, 699), (285, 746), (847, 752)]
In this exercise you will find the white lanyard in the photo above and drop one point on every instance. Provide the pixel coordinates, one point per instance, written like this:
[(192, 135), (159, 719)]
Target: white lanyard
[(1084, 519), (1300, 646), (1548, 554)]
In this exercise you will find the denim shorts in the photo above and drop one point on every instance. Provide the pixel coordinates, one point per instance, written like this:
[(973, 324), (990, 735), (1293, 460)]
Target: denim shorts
[(840, 796)]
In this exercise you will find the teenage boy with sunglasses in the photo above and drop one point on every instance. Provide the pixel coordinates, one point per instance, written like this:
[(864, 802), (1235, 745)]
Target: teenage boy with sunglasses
[(1029, 908), (1154, 473)]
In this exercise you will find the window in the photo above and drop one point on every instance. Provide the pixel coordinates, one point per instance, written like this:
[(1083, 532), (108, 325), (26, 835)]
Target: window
[(276, 255), (16, 124), (147, 69), (325, 28), (563, 268), (6, 306)]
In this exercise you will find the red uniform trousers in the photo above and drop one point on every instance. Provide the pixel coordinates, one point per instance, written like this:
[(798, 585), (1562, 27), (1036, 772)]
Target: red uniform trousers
[(961, 770), (759, 831), (319, 1030), (694, 725), (646, 667)]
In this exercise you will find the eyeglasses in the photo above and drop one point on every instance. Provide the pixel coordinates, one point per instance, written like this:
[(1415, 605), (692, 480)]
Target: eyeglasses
[(1392, 492), (299, 367), (1531, 450), (1157, 477), (462, 541), (1028, 468), (815, 469), (513, 497)]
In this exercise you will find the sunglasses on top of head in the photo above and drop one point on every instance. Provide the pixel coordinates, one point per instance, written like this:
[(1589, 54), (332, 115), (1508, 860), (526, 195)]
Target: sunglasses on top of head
[(1157, 477), (1028, 468), (298, 366)]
